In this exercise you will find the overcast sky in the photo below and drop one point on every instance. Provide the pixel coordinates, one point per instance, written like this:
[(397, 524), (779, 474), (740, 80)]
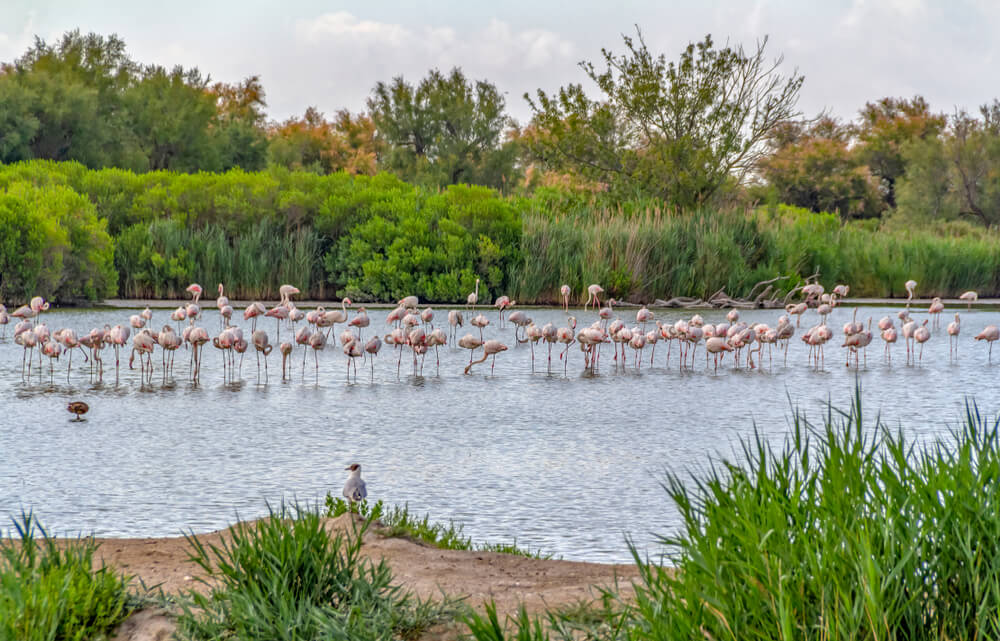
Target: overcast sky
[(330, 54)]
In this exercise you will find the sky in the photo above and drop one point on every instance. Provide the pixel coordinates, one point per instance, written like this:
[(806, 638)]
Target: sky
[(330, 54)]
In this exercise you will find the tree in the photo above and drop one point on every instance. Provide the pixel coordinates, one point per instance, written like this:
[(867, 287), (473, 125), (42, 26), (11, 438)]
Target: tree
[(76, 89), (315, 144), (884, 128), (18, 124), (238, 131), (170, 114), (447, 130), (956, 174), (814, 166), (678, 131)]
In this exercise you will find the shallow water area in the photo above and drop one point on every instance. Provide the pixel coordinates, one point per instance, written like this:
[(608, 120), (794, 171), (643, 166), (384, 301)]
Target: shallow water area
[(565, 463)]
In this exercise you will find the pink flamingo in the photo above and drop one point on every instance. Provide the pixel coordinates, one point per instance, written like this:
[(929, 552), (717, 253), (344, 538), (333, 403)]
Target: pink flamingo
[(317, 342), (286, 350), (564, 292), (490, 348), (969, 297), (503, 303), (262, 344), (954, 328), (566, 336), (352, 349), (716, 346), (302, 337), (470, 343), (251, 313), (592, 295), (52, 349), (222, 300), (455, 321), (169, 343), (361, 321), (990, 334), (334, 316), (4, 320), (921, 335), (197, 337), (372, 348), (889, 336), (225, 342), (143, 343), (473, 298), (195, 290), (935, 310), (278, 313), (480, 321), (435, 339)]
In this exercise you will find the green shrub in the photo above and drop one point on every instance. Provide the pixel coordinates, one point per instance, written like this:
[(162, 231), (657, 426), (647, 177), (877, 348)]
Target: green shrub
[(286, 577), (49, 590)]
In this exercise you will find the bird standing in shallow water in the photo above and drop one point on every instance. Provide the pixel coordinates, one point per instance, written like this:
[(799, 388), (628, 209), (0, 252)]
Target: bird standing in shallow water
[(79, 408), (354, 490)]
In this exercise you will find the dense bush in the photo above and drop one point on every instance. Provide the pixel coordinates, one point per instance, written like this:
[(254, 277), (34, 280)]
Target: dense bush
[(69, 233), (50, 590)]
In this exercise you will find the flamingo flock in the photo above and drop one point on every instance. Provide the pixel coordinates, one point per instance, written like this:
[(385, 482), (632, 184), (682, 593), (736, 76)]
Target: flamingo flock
[(412, 331)]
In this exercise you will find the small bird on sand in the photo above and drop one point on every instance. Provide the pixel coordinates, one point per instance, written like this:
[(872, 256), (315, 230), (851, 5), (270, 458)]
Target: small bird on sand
[(79, 408), (354, 489)]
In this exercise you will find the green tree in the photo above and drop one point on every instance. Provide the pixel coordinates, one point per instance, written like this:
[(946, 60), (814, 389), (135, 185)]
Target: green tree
[(814, 166), (679, 131), (171, 112), (18, 124), (76, 88), (238, 131), (444, 131), (884, 127), (957, 174)]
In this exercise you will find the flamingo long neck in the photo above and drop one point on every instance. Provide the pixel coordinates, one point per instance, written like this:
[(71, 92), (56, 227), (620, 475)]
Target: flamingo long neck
[(477, 288), (343, 306)]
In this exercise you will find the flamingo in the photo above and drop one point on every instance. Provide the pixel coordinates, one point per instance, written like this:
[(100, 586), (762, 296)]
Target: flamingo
[(222, 300), (954, 328), (908, 329), (592, 294), (503, 303), (143, 343), (224, 342), (797, 309), (564, 292), (372, 347), (566, 336), (715, 346), (935, 310), (361, 321), (520, 321), (317, 341), (331, 318), (409, 302), (970, 297), (169, 343), (480, 321), (889, 337), (4, 320), (52, 349), (286, 351), (470, 343), (922, 335), (910, 286), (262, 345), (28, 341), (278, 313), (251, 313), (643, 316), (473, 298), (436, 338), (286, 292), (352, 350), (197, 336), (455, 320), (490, 348), (990, 334), (427, 316)]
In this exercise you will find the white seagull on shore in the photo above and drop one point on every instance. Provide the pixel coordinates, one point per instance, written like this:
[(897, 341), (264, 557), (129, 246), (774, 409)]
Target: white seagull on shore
[(354, 489)]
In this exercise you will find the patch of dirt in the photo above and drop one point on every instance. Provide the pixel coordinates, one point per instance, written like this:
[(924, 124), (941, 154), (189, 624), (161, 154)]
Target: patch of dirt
[(425, 570)]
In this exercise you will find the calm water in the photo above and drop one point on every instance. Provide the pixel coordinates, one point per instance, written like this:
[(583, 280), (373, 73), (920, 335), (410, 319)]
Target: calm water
[(568, 464)]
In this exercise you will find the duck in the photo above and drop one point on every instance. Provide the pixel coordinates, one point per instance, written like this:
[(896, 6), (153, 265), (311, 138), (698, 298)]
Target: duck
[(79, 408)]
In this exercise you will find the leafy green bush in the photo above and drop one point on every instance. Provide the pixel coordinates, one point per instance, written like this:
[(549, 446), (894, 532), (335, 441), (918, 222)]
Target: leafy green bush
[(50, 591), (286, 577)]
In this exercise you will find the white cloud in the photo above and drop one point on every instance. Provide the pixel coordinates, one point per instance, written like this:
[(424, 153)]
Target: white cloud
[(358, 52), (12, 46)]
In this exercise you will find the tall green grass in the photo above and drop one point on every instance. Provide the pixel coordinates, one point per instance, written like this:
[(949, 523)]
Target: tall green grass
[(49, 590), (285, 577), (847, 530)]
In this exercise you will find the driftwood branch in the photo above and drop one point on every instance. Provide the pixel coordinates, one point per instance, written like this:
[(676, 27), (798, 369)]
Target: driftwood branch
[(762, 295)]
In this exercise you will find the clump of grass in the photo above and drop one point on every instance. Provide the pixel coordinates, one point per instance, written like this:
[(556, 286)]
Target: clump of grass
[(50, 590), (846, 530), (286, 577), (398, 522)]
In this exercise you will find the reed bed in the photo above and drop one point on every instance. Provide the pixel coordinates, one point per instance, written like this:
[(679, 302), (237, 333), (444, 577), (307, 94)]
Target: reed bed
[(846, 530)]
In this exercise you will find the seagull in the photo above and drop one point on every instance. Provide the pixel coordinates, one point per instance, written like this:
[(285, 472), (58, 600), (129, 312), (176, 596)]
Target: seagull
[(354, 489)]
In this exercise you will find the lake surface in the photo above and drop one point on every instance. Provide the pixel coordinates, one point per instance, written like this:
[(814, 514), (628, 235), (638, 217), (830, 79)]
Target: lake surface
[(566, 464)]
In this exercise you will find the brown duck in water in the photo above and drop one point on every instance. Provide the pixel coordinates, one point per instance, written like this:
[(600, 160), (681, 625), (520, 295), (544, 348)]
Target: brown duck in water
[(79, 408)]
